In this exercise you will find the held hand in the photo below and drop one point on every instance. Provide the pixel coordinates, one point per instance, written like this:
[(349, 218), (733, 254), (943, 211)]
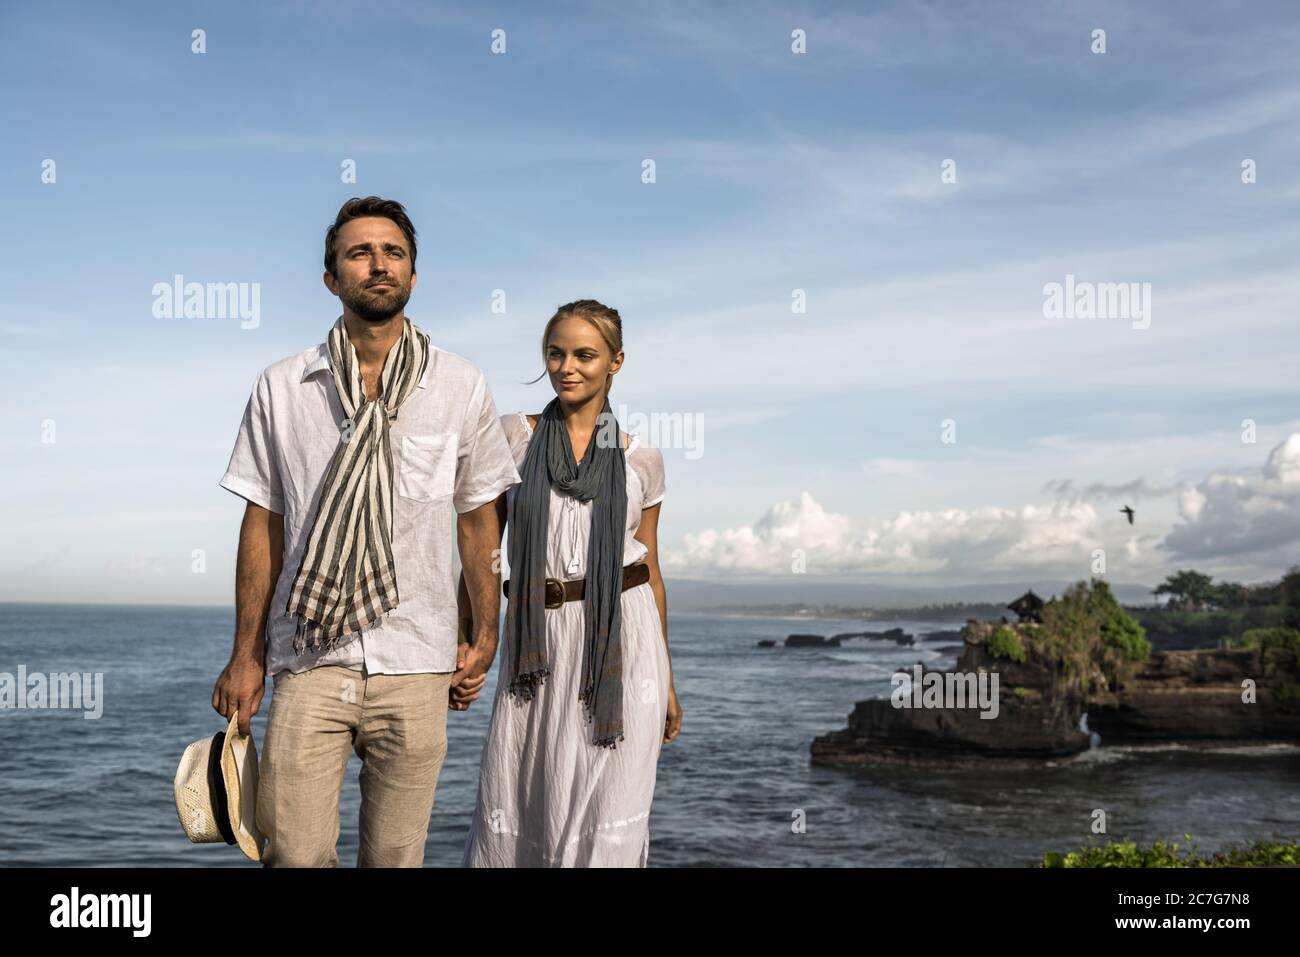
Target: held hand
[(240, 686), (472, 663), (673, 722), (465, 631)]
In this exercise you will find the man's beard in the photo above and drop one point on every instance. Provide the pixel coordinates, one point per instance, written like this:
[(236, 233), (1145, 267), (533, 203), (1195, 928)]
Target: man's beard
[(375, 305)]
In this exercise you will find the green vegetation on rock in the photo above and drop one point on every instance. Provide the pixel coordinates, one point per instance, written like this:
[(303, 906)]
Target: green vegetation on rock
[(1086, 642), (1280, 650), (1005, 643), (1281, 645)]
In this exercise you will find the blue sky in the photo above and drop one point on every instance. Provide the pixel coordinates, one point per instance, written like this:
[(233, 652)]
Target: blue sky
[(775, 171)]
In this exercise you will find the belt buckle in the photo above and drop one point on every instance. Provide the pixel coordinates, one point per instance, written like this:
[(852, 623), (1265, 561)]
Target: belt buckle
[(559, 585)]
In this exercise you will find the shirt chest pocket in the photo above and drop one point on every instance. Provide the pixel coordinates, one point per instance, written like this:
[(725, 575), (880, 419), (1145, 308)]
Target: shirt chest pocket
[(428, 467)]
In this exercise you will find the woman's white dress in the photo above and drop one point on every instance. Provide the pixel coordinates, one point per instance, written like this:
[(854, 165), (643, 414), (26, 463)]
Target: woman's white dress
[(548, 797)]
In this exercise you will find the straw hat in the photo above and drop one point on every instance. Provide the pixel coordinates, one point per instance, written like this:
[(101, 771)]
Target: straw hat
[(216, 790)]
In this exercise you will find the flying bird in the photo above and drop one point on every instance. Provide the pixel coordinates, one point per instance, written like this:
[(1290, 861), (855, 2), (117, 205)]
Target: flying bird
[(1129, 512)]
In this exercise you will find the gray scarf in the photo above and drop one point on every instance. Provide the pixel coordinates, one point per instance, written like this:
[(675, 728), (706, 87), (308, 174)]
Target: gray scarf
[(347, 578), (600, 478)]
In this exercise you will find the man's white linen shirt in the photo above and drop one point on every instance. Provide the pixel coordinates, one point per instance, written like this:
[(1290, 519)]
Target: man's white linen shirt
[(449, 455)]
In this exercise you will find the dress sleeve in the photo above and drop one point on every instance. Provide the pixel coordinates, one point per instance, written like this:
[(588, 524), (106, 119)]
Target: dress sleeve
[(649, 464), (516, 434), (254, 469)]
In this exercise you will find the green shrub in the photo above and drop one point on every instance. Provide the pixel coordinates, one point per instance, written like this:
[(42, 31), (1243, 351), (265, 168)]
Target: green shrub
[(1281, 644), (1119, 630), (1126, 853), (1005, 643)]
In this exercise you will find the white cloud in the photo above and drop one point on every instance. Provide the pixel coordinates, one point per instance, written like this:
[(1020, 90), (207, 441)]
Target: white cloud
[(965, 543), (1229, 515), (1221, 517), (1283, 465)]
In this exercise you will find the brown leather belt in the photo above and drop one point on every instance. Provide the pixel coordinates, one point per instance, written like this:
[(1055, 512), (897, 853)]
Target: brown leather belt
[(558, 591)]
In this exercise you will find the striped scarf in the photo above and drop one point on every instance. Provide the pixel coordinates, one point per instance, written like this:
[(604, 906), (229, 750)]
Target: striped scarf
[(347, 579)]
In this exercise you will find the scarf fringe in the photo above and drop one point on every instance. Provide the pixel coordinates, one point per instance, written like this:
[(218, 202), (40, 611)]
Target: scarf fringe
[(312, 636), (525, 686), (302, 641), (609, 740)]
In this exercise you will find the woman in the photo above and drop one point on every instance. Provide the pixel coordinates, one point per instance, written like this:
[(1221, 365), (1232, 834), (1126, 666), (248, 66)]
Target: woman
[(585, 695)]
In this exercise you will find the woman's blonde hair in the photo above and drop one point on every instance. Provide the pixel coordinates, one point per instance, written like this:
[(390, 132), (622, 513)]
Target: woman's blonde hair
[(605, 319)]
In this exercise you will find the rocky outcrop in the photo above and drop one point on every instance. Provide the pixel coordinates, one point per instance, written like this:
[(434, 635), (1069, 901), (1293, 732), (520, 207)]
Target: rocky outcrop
[(1028, 727), (1196, 697), (896, 635), (811, 641), (1025, 729), (1177, 696)]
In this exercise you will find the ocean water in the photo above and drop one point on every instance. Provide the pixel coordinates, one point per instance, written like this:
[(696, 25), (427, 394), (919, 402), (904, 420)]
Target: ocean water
[(731, 791)]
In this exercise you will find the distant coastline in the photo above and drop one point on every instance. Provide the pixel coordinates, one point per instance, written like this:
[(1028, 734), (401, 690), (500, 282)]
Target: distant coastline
[(958, 612)]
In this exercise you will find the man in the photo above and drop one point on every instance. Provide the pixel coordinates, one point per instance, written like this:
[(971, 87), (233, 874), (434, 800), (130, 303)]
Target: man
[(352, 455)]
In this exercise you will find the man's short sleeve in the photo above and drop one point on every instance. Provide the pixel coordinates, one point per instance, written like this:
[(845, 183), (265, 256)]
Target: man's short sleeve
[(485, 466), (254, 469)]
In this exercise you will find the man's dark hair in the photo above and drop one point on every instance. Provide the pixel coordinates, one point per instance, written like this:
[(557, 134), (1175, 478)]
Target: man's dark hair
[(356, 208)]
